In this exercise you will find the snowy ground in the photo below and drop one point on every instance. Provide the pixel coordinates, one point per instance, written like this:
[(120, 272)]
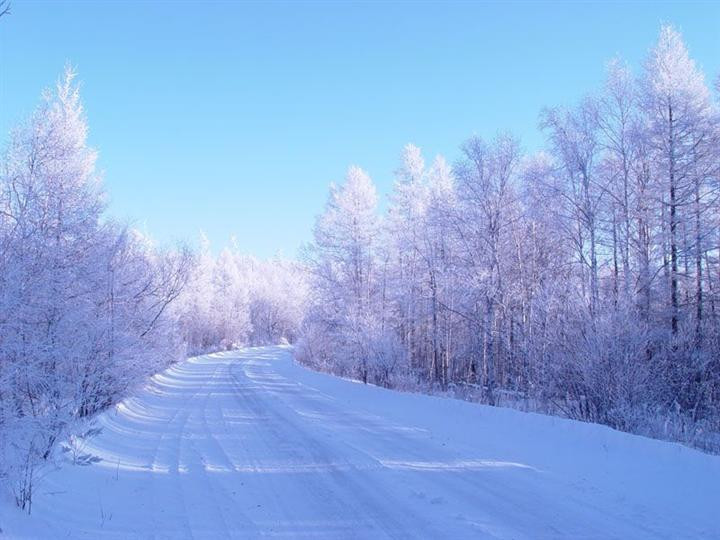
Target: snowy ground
[(247, 444)]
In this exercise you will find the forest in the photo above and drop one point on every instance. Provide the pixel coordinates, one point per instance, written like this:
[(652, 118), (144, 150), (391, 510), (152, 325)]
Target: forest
[(581, 281)]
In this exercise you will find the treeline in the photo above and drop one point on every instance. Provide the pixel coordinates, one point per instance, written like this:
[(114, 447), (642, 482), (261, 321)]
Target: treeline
[(90, 307), (582, 281), (84, 301)]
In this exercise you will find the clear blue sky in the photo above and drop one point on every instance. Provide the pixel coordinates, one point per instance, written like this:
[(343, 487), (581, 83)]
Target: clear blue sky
[(235, 117)]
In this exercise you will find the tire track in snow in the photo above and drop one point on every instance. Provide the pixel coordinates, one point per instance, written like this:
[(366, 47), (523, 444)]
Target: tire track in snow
[(213, 451), (349, 481), (307, 472), (160, 501)]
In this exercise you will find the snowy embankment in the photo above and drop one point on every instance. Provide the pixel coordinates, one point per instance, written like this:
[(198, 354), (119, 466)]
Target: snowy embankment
[(248, 444)]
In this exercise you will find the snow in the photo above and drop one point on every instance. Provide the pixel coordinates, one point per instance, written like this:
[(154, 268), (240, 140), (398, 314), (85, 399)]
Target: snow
[(248, 444)]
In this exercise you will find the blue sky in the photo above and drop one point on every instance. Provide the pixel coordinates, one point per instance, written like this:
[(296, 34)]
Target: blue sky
[(235, 117)]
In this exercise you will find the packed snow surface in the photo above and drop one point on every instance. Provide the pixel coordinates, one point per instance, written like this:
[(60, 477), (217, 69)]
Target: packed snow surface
[(248, 444)]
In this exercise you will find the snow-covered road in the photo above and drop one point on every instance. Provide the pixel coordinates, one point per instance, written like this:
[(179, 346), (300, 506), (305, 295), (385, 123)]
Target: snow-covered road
[(246, 444)]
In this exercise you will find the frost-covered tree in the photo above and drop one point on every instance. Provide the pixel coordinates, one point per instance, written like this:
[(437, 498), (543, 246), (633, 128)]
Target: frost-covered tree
[(679, 117), (574, 139), (417, 283), (343, 320), (486, 175)]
